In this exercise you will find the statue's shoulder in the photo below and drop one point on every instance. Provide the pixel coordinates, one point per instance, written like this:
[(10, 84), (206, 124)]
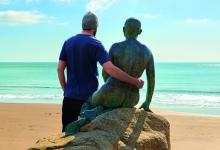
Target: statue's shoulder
[(146, 50), (118, 44), (116, 47)]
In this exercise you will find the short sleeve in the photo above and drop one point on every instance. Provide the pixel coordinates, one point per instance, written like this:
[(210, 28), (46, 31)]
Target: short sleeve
[(102, 55), (63, 53)]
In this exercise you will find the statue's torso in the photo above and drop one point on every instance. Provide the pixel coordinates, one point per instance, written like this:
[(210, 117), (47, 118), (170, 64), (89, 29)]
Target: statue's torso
[(132, 57)]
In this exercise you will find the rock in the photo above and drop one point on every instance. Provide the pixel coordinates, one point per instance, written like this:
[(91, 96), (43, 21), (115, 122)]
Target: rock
[(122, 129)]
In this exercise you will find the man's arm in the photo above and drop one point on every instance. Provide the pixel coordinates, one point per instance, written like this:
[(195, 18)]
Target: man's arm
[(104, 75), (61, 74), (117, 73), (150, 72), (111, 56)]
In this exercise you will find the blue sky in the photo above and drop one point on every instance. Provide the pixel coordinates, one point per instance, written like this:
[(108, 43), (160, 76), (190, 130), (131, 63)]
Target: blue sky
[(175, 30)]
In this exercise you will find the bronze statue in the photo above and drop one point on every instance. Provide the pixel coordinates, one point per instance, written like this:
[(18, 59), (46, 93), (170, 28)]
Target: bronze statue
[(132, 57)]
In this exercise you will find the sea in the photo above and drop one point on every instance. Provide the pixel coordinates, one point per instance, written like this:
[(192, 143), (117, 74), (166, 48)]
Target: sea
[(180, 87)]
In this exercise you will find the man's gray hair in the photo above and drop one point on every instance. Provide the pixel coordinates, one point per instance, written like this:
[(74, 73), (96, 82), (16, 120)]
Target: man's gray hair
[(89, 21)]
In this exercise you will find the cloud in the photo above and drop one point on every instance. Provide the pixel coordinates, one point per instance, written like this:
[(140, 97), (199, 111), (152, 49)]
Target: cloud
[(149, 16), (13, 17), (4, 2), (196, 21), (97, 5)]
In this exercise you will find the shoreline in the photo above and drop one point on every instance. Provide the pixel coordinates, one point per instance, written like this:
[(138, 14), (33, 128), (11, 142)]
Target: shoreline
[(179, 113), (23, 124)]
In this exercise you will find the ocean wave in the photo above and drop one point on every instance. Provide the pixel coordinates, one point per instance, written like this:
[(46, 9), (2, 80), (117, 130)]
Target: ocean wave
[(185, 99), (30, 96), (217, 65), (166, 99), (31, 86), (189, 91)]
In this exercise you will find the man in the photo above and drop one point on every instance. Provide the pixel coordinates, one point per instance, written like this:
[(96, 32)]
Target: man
[(79, 55)]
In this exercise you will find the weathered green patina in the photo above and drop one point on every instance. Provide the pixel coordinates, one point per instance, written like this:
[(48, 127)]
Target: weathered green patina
[(132, 57)]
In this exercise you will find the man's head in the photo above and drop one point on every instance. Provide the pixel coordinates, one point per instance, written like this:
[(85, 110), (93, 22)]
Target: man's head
[(132, 28), (90, 22)]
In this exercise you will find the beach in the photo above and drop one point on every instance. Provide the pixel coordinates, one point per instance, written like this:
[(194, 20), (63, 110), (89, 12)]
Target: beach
[(181, 70), (23, 124)]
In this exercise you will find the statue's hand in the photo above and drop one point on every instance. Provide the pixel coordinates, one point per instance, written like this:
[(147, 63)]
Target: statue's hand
[(145, 107), (140, 83)]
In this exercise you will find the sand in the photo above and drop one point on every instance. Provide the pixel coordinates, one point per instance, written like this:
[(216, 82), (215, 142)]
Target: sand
[(22, 124)]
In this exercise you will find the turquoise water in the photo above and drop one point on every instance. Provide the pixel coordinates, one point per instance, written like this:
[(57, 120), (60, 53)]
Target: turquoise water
[(185, 87)]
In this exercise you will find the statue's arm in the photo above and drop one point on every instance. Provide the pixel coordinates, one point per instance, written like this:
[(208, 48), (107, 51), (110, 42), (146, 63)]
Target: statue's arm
[(104, 74), (150, 73)]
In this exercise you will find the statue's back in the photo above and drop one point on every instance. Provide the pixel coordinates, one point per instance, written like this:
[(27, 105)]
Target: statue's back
[(131, 56)]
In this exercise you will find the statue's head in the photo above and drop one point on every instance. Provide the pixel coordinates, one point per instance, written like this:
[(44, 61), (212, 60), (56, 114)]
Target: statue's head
[(90, 22), (132, 28)]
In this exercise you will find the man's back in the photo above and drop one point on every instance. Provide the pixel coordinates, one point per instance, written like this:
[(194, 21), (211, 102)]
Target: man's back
[(81, 52)]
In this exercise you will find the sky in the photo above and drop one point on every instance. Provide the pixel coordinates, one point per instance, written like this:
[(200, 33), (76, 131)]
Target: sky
[(174, 30)]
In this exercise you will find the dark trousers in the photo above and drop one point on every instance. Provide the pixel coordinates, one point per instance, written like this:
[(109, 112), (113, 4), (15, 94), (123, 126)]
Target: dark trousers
[(70, 110)]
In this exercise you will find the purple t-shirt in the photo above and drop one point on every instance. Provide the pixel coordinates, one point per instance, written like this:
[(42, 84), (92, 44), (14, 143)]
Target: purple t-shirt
[(81, 53)]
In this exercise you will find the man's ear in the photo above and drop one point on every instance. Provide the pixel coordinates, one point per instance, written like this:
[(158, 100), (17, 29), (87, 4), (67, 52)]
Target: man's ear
[(94, 32)]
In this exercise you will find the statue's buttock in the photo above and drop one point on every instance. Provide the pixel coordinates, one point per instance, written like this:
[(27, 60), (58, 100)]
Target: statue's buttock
[(112, 95)]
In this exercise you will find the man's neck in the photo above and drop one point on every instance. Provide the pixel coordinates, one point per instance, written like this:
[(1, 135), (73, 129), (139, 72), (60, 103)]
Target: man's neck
[(86, 32)]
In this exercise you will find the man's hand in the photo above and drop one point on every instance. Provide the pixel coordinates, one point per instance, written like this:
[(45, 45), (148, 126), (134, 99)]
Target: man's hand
[(117, 73), (140, 83)]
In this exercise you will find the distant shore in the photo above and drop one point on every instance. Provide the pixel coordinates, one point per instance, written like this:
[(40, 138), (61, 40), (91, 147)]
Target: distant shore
[(23, 124)]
